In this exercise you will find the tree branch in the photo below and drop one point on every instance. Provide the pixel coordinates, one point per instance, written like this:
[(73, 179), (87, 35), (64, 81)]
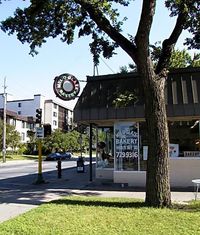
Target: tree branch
[(168, 44), (143, 32), (104, 24)]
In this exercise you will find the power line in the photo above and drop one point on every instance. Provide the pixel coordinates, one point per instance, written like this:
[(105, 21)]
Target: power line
[(107, 65)]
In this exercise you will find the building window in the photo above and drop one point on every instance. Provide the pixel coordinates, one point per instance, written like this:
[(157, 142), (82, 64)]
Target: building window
[(105, 151), (23, 136), (13, 122), (126, 144), (19, 105), (19, 113), (55, 123), (23, 124), (54, 114), (55, 106)]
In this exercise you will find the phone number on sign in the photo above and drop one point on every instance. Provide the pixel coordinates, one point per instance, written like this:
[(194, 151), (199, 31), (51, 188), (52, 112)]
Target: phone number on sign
[(127, 154)]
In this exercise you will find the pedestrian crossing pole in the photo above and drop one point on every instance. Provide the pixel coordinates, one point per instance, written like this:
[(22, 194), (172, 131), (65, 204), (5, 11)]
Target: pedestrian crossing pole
[(40, 135)]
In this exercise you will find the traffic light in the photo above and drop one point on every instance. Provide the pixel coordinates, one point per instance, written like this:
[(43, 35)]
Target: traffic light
[(47, 130), (38, 116)]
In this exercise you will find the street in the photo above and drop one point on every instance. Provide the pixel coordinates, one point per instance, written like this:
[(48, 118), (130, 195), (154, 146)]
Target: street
[(27, 167)]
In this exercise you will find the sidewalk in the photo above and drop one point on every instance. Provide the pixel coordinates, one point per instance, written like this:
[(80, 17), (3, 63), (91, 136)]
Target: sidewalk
[(18, 195)]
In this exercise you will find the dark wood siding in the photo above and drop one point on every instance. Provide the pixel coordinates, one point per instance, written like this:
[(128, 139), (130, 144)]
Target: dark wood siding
[(97, 99)]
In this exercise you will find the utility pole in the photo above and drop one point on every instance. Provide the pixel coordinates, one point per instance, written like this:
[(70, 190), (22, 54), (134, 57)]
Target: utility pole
[(4, 120)]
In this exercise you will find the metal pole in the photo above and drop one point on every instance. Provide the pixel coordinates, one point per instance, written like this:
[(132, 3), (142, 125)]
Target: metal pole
[(199, 135), (90, 151), (138, 129), (40, 158), (4, 122), (40, 179), (81, 145)]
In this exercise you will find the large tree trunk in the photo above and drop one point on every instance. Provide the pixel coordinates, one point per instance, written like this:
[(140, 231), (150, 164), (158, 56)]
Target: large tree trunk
[(157, 179)]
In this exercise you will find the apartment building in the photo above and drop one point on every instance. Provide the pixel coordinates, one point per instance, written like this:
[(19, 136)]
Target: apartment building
[(58, 116), (22, 124), (53, 113)]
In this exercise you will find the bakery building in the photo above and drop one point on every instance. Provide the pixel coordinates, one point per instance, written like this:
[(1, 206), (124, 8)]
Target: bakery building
[(121, 138)]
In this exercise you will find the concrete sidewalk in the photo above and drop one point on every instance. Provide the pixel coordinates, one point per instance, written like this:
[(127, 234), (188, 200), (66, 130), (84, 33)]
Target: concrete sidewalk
[(18, 195)]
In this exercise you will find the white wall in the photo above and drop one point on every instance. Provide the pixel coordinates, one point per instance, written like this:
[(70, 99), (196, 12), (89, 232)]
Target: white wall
[(48, 113), (1, 101), (19, 127), (28, 106), (22, 131), (49, 117), (182, 172)]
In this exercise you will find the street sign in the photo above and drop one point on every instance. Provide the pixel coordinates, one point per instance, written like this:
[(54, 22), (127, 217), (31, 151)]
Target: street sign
[(40, 132)]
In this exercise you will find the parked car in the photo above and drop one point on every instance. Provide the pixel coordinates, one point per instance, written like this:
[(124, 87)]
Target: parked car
[(66, 155), (57, 156), (53, 156)]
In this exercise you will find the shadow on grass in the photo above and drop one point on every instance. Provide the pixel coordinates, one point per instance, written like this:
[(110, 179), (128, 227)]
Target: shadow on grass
[(193, 206), (99, 202)]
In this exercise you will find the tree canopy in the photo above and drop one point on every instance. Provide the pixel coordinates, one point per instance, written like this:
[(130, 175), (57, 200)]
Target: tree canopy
[(68, 19), (62, 142), (12, 136), (179, 59)]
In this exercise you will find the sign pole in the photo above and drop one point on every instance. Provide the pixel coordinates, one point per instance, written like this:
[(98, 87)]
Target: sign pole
[(90, 154), (40, 179), (138, 130)]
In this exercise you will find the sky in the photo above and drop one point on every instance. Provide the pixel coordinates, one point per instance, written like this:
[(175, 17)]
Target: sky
[(26, 75)]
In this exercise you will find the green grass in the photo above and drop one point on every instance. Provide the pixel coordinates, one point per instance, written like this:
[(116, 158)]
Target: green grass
[(77, 215), (19, 157), (10, 157)]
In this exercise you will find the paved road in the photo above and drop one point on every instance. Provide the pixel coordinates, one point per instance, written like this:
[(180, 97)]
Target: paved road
[(19, 168)]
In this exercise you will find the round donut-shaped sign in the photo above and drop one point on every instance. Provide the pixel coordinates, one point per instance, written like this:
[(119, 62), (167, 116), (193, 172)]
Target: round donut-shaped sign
[(66, 86)]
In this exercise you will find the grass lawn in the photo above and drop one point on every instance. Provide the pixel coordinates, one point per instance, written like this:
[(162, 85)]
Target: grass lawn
[(27, 157), (93, 215), (19, 157)]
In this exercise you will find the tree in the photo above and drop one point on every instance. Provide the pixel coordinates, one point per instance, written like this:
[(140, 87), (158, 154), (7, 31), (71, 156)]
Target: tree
[(31, 143), (179, 59), (61, 142), (12, 136), (99, 18), (129, 68), (55, 142)]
